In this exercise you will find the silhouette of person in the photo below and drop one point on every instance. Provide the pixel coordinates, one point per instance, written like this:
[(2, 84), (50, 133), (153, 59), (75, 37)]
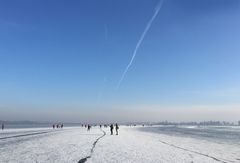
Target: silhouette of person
[(116, 127), (53, 126), (88, 127), (111, 129), (2, 126)]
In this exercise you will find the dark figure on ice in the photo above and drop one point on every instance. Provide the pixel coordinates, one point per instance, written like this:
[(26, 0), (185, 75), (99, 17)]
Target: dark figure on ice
[(100, 126), (61, 125), (111, 129), (116, 127), (88, 127), (2, 126), (53, 126)]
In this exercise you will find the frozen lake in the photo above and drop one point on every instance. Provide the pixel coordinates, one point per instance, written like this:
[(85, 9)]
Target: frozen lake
[(133, 144), (219, 134)]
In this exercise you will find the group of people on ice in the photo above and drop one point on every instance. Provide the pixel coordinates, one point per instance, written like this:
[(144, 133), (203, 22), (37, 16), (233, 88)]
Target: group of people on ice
[(116, 128), (111, 127), (57, 126)]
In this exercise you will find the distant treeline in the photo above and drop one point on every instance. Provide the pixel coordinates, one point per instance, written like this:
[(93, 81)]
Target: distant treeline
[(22, 122), (203, 123)]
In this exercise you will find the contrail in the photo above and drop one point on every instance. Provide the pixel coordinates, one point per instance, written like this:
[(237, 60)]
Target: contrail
[(157, 9)]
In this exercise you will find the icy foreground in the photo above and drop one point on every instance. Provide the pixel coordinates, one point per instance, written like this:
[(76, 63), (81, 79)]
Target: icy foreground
[(131, 145)]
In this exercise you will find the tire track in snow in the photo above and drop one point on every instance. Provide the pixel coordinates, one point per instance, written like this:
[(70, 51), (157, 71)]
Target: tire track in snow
[(214, 158), (30, 134), (92, 149), (23, 135)]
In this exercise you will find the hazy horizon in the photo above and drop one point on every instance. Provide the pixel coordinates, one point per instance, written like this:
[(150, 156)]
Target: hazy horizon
[(140, 114), (120, 61)]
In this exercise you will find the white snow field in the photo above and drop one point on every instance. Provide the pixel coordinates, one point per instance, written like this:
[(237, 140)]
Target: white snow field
[(73, 145)]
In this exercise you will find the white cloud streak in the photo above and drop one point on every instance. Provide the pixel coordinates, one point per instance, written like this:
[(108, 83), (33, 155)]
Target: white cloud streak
[(157, 9)]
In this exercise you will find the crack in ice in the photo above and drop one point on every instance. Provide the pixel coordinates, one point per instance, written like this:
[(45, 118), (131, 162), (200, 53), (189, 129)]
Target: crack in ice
[(92, 149), (172, 145)]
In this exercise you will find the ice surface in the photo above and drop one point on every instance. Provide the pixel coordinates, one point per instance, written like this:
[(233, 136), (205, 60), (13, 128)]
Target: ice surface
[(131, 145), (59, 145)]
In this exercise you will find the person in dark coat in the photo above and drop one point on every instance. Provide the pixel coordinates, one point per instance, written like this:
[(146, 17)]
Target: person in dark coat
[(116, 127), (111, 129), (2, 126), (88, 127)]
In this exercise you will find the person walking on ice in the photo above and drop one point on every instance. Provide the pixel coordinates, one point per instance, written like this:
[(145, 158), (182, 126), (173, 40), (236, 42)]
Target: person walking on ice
[(111, 129), (88, 127), (116, 127)]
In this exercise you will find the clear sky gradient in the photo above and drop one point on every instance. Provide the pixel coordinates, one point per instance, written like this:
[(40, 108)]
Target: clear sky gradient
[(62, 60)]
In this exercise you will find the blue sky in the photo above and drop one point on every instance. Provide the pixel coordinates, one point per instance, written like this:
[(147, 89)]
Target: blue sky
[(63, 59)]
